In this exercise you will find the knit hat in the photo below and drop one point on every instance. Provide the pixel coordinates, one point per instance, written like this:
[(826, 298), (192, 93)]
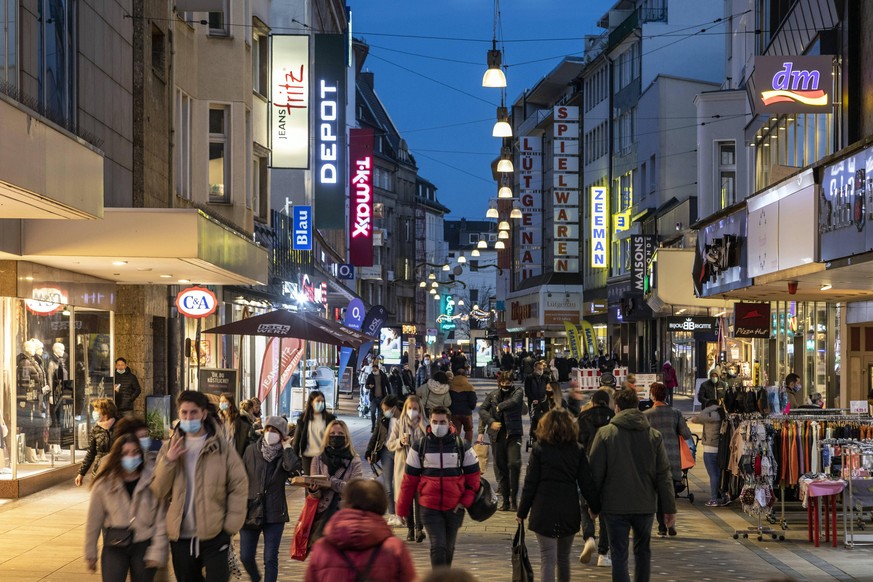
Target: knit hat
[(607, 379), (278, 423)]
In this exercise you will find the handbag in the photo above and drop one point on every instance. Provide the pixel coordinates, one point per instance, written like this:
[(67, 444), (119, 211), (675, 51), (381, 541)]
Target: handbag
[(485, 503), (255, 513), (117, 537), (234, 567), (300, 541), (522, 570), (685, 454)]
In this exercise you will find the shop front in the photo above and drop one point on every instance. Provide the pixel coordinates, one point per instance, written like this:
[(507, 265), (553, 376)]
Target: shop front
[(536, 318)]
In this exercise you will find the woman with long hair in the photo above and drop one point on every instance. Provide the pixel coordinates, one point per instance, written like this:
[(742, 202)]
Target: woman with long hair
[(408, 429), (557, 470), (711, 417), (131, 519), (340, 462), (554, 399), (238, 431), (310, 430), (104, 415)]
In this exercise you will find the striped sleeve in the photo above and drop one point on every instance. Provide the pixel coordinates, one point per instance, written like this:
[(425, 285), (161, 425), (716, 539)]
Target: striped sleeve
[(471, 461), (413, 459)]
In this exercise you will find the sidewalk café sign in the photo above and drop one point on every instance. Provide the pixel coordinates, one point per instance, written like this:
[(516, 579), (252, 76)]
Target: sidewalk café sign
[(792, 84), (752, 320), (215, 381), (196, 302), (693, 324)]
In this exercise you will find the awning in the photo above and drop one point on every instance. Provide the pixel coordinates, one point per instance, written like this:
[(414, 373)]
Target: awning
[(142, 245), (673, 283)]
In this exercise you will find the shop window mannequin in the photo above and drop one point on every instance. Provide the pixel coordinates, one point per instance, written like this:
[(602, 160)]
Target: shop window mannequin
[(57, 376), (32, 400)]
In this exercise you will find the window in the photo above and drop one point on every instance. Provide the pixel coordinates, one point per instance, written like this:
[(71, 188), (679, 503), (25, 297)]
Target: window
[(653, 11), (474, 266), (383, 179), (474, 238), (219, 153), (250, 183), (157, 51), (474, 296), (260, 188), (652, 178), (727, 173), (8, 43), (260, 64), (218, 21), (182, 151), (57, 55), (643, 180)]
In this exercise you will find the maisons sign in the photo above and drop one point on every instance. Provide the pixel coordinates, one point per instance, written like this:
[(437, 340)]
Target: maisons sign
[(792, 84)]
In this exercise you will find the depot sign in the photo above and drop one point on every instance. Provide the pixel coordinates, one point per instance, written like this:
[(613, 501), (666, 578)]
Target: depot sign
[(361, 193), (330, 126), (801, 84), (196, 302)]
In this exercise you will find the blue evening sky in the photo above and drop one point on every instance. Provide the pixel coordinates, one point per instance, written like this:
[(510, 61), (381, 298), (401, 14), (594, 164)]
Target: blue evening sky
[(457, 158)]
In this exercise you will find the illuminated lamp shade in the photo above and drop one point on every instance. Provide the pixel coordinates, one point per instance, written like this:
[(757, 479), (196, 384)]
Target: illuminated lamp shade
[(494, 77), (502, 127), (516, 213), (431, 276), (499, 245), (503, 225), (475, 252), (504, 192), (503, 235), (434, 284), (492, 213), (433, 291), (446, 267), (422, 284), (505, 166), (460, 302), (462, 259), (482, 244), (437, 297)]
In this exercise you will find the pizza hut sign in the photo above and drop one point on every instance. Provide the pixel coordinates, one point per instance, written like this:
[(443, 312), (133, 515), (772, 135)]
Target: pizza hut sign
[(196, 302)]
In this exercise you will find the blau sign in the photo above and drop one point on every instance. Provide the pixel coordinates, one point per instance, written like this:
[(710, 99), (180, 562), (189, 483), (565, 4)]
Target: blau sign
[(302, 235)]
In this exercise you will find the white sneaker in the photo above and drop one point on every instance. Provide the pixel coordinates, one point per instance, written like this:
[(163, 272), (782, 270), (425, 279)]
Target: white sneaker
[(394, 521), (589, 548), (604, 561)]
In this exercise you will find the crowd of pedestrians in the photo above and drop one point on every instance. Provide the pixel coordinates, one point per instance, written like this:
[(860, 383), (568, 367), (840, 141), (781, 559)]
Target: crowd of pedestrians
[(604, 469)]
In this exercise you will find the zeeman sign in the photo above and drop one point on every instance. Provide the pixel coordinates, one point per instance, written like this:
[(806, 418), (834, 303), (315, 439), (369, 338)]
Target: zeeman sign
[(801, 84)]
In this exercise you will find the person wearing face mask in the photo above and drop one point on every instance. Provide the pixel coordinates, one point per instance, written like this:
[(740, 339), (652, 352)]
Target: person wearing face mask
[(136, 426), (380, 456), (435, 392), (340, 462), (535, 392), (712, 389), (409, 428), (379, 386), (132, 520), (268, 462), (103, 417), (310, 430), (205, 482), (444, 472), (127, 388), (422, 375), (236, 427), (500, 415)]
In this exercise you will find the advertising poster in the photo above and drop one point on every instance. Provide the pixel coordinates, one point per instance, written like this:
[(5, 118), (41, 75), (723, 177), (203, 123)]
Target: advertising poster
[(390, 345), (483, 352)]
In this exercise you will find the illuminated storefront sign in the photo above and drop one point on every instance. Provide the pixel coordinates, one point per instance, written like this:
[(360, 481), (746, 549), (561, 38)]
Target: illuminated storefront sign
[(330, 128), (565, 189), (598, 227), (196, 302), (530, 182), (302, 233), (289, 96), (361, 192), (801, 84)]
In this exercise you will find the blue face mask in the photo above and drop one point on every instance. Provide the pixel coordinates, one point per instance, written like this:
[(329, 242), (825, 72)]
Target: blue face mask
[(318, 406), (95, 415), (131, 464), (192, 426), (145, 443), (224, 405)]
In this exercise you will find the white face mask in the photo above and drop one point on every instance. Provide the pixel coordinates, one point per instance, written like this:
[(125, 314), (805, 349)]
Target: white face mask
[(412, 414), (272, 438), (439, 430)]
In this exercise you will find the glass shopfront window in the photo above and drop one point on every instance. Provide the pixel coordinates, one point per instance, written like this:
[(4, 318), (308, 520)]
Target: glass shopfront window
[(54, 360)]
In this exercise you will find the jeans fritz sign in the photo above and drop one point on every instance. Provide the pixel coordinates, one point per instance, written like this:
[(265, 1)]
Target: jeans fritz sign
[(361, 192), (565, 189), (289, 96), (599, 204), (802, 84), (196, 302)]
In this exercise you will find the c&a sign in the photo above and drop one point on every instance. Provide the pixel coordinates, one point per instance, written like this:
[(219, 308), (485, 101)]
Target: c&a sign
[(802, 84), (196, 302)]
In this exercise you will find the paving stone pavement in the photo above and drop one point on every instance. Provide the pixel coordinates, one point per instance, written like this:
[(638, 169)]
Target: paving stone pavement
[(41, 539)]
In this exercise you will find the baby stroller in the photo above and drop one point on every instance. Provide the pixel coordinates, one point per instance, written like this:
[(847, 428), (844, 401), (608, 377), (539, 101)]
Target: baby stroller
[(683, 485), (531, 438)]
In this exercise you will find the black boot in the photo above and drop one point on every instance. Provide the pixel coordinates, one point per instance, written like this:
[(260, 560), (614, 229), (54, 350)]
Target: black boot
[(505, 505), (513, 505), (419, 536), (410, 537)]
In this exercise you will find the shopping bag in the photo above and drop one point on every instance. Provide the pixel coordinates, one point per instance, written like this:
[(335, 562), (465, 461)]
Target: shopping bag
[(481, 450), (300, 542), (522, 571), (686, 455)]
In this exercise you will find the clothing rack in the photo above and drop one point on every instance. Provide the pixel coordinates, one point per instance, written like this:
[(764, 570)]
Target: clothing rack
[(850, 538)]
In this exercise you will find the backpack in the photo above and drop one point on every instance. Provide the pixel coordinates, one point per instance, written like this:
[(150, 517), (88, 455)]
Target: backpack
[(362, 575)]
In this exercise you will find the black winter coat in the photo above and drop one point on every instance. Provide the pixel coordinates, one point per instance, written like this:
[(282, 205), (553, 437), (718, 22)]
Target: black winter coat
[(589, 421), (128, 392), (555, 475), (378, 439), (99, 443), (535, 388), (463, 403), (502, 407), (267, 482)]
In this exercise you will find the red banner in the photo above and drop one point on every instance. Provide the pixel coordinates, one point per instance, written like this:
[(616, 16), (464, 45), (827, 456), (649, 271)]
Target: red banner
[(292, 351), (361, 193)]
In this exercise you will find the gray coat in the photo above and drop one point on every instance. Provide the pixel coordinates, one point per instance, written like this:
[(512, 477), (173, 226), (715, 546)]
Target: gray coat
[(671, 424), (267, 482)]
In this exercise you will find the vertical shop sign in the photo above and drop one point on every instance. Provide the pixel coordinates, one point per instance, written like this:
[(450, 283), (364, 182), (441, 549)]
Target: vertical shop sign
[(599, 204), (289, 101), (642, 249), (329, 93), (302, 234), (530, 192), (361, 193), (565, 189)]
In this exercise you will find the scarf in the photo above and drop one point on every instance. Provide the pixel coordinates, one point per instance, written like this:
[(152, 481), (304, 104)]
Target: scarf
[(270, 452), (335, 459)]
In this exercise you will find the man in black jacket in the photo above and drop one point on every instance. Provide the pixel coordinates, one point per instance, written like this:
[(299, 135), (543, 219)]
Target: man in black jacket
[(712, 389), (378, 385), (590, 420), (127, 388), (500, 414), (535, 391)]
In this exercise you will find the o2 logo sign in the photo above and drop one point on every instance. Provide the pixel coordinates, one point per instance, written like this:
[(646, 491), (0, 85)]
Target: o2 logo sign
[(196, 302)]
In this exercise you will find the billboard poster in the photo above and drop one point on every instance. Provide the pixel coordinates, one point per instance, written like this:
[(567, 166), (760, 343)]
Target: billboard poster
[(289, 101), (361, 197), (390, 345), (329, 95), (483, 352)]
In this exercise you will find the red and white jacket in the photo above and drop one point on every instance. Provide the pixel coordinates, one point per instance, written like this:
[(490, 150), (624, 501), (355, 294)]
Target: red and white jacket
[(444, 474)]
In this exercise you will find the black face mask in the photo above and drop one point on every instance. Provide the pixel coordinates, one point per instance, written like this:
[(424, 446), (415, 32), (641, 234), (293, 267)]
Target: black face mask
[(505, 388), (337, 442)]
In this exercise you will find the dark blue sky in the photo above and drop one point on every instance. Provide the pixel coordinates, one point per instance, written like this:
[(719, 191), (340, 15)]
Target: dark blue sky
[(457, 158)]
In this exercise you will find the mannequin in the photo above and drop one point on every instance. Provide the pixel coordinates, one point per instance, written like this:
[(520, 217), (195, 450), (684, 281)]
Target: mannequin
[(32, 392), (57, 375)]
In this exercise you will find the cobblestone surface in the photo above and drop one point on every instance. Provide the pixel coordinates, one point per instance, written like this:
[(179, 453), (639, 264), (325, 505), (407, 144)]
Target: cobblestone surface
[(41, 539)]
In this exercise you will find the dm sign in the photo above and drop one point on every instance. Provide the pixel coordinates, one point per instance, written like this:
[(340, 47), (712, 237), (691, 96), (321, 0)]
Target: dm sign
[(195, 302), (802, 84)]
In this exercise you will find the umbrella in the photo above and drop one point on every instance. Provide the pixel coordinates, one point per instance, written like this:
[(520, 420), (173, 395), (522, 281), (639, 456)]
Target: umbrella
[(302, 325)]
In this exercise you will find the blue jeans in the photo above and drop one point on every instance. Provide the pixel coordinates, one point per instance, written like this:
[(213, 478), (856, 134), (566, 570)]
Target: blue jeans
[(774, 400), (386, 458), (619, 527), (248, 545), (442, 529), (710, 461)]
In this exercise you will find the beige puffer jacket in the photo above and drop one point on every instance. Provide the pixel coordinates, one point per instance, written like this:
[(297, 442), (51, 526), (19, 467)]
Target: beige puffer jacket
[(222, 488), (110, 506)]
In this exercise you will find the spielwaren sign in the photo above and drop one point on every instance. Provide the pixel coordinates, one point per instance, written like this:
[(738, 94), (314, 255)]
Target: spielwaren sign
[(801, 84)]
